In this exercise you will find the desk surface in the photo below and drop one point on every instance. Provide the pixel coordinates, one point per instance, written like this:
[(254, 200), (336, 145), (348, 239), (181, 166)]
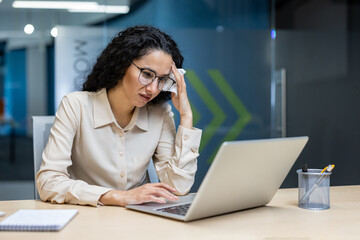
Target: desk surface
[(280, 219)]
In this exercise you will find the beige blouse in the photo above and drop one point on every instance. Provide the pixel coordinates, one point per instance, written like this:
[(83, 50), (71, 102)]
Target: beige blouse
[(89, 154)]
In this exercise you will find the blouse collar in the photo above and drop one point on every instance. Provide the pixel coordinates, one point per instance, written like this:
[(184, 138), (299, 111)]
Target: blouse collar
[(103, 114)]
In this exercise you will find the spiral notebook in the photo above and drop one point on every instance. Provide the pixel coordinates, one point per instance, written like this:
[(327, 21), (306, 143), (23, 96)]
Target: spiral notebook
[(38, 220)]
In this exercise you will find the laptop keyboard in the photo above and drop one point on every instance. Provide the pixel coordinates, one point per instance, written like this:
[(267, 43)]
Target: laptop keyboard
[(178, 210)]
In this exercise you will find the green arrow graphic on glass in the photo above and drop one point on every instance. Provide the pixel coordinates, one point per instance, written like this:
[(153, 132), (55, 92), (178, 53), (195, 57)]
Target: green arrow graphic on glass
[(243, 115)]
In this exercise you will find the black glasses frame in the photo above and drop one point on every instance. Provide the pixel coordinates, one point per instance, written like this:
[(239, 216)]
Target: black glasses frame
[(156, 76)]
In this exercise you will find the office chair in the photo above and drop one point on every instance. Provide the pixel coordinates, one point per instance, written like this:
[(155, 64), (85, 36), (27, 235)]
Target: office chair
[(41, 132)]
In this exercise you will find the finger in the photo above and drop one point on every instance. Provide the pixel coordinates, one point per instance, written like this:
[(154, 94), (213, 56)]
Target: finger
[(152, 198), (161, 192), (178, 77), (164, 190), (156, 191), (166, 186)]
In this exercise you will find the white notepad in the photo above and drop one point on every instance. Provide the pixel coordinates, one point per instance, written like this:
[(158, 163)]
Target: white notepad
[(38, 220)]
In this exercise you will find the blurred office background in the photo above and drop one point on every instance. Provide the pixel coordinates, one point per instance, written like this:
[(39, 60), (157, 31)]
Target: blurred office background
[(255, 69)]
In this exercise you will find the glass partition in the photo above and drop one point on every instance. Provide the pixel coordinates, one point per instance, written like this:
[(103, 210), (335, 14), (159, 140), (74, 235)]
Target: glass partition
[(227, 47), (317, 49)]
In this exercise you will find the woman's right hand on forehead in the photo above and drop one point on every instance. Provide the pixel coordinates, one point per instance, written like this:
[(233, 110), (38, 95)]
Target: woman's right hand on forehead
[(180, 100)]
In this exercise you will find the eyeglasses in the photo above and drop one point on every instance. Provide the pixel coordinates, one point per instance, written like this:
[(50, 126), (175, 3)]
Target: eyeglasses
[(147, 76)]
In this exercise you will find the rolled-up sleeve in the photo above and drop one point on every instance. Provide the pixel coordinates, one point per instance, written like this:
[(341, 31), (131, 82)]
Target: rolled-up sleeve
[(176, 155), (53, 180)]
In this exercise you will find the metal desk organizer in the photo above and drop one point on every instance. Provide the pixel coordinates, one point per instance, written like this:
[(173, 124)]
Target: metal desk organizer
[(314, 189)]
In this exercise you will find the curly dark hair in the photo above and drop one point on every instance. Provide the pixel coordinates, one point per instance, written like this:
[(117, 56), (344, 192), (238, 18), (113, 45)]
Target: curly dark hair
[(130, 44)]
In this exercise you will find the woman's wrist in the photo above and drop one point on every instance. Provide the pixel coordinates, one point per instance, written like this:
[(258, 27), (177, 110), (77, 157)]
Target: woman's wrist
[(113, 197), (186, 121)]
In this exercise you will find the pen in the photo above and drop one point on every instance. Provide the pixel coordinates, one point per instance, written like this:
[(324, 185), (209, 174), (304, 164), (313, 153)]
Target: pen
[(327, 168), (317, 183), (304, 168)]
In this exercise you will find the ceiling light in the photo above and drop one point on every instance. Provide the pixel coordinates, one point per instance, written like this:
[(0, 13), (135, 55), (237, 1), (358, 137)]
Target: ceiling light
[(54, 32), (29, 29), (103, 9), (55, 4)]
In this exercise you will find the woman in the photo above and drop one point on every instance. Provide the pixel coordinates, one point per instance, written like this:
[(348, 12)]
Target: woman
[(103, 138)]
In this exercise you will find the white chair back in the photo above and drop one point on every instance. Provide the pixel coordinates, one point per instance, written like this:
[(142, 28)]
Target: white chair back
[(41, 132)]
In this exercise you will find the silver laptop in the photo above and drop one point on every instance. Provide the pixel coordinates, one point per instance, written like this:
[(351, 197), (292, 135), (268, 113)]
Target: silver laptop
[(243, 175)]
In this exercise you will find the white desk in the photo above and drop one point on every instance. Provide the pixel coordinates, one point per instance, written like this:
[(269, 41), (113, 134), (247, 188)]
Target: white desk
[(280, 219)]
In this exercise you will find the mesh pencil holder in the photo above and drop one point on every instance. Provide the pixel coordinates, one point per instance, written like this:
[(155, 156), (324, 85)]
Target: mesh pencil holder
[(314, 189)]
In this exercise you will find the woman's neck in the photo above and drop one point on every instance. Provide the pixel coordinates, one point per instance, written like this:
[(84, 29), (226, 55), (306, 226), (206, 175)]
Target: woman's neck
[(120, 106)]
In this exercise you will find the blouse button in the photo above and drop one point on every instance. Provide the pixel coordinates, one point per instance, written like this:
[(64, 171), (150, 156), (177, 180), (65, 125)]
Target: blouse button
[(121, 134), (122, 174), (194, 150), (186, 137), (121, 154)]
